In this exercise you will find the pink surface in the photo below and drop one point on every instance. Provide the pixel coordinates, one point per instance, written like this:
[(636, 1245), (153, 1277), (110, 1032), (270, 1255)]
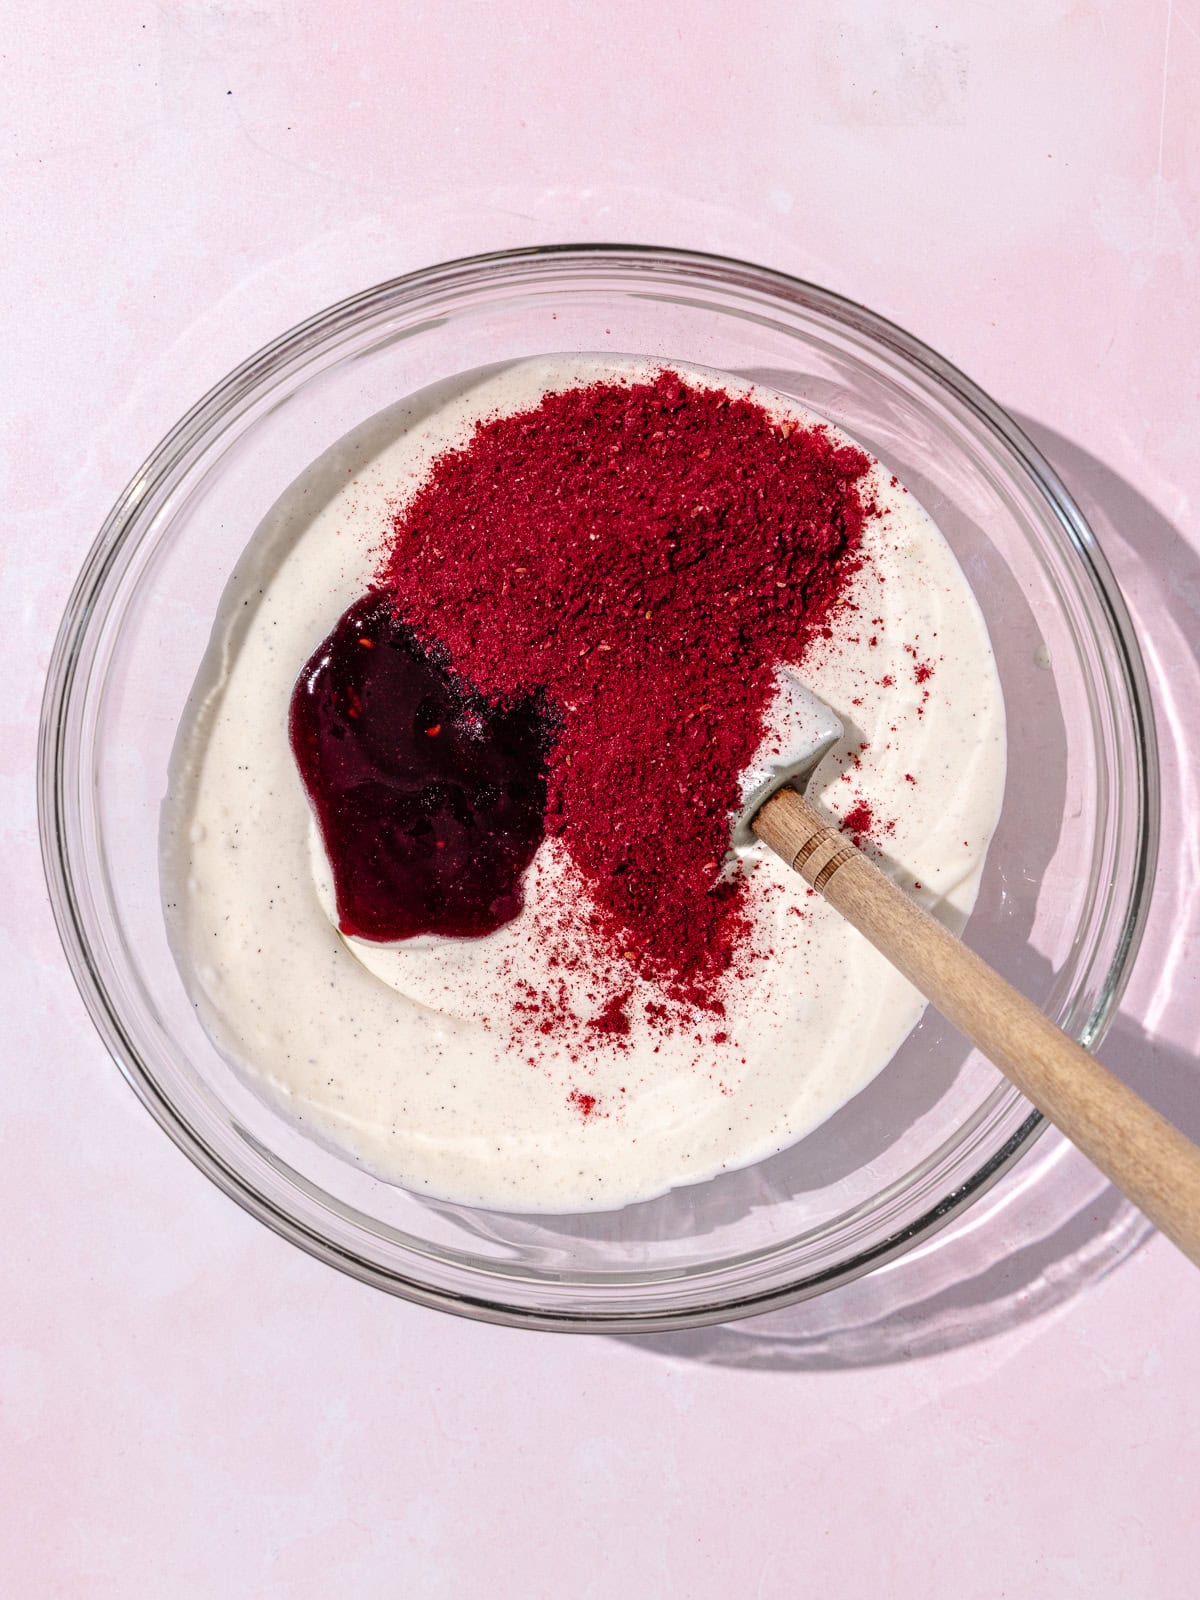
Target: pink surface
[(190, 1407)]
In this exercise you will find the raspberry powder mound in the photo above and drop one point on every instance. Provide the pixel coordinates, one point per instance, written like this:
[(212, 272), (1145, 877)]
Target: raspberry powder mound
[(643, 556)]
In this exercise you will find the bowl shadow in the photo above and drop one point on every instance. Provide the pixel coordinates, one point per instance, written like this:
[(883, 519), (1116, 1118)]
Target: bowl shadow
[(1053, 1226)]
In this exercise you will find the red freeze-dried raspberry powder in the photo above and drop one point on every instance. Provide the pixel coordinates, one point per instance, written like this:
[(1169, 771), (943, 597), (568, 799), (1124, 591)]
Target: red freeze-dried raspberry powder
[(643, 557)]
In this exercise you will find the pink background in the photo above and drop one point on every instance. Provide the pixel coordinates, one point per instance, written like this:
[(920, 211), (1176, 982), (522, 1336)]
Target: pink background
[(189, 1407)]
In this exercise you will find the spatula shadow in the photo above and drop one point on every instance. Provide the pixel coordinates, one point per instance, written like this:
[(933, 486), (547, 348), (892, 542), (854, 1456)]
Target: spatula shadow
[(1054, 1229)]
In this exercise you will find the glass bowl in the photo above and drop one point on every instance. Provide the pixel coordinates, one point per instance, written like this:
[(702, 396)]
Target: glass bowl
[(1065, 890)]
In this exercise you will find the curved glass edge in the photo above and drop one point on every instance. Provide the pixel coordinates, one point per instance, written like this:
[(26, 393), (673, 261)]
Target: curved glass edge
[(294, 349)]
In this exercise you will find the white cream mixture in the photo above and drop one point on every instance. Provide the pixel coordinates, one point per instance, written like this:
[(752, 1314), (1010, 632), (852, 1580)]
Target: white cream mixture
[(403, 1057)]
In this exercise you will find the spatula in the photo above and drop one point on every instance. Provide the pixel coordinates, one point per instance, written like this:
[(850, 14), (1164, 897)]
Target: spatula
[(1148, 1159)]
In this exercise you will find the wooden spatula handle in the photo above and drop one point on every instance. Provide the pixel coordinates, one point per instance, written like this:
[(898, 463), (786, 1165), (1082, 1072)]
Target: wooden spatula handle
[(1152, 1162)]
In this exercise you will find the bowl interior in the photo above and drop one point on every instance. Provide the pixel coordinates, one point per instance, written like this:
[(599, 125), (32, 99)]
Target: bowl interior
[(1063, 893)]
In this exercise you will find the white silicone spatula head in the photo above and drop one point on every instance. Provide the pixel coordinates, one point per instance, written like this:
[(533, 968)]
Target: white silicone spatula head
[(806, 729)]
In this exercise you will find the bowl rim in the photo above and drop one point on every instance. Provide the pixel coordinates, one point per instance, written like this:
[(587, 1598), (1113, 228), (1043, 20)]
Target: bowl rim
[(53, 776)]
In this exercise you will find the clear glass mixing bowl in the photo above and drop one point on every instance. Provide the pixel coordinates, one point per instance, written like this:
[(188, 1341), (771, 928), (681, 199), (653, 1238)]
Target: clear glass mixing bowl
[(1063, 898)]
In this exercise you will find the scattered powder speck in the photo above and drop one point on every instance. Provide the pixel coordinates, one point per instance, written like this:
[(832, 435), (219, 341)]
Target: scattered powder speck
[(585, 1104)]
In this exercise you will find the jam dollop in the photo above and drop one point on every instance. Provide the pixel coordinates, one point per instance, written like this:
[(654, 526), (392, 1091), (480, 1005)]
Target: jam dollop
[(430, 799)]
